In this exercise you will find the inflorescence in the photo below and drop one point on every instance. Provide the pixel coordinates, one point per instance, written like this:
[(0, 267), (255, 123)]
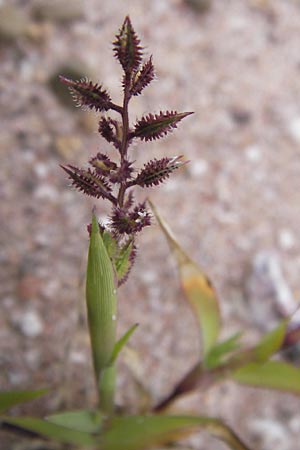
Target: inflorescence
[(111, 180)]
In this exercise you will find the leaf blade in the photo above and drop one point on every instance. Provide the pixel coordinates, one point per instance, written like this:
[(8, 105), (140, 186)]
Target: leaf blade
[(215, 356), (271, 342), (122, 342), (197, 288), (51, 430), (272, 374), (81, 420), (9, 399), (141, 432)]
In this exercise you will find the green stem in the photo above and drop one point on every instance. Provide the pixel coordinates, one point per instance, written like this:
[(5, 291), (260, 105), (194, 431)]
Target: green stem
[(107, 387)]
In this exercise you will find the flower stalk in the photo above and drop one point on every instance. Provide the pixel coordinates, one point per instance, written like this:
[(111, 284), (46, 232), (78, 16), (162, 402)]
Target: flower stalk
[(113, 247)]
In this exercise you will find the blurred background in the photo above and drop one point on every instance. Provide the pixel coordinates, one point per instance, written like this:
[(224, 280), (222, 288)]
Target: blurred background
[(234, 207)]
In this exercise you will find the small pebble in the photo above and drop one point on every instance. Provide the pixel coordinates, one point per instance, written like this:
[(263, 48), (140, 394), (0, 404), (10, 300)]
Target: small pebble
[(240, 116), (41, 169), (286, 239), (30, 324), (272, 433), (253, 153), (58, 11), (13, 23), (77, 357), (33, 359), (199, 6), (66, 146), (46, 192), (28, 287), (198, 167), (294, 129)]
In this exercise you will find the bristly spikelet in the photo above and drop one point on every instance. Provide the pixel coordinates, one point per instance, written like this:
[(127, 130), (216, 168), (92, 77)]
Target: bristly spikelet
[(108, 129), (142, 78), (88, 182), (157, 171), (122, 174), (132, 248), (88, 94), (127, 47), (102, 164), (155, 126), (130, 222)]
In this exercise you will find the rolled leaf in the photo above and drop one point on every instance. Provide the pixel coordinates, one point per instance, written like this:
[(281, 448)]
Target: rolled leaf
[(197, 288), (8, 399), (272, 374), (143, 432), (155, 126), (101, 301)]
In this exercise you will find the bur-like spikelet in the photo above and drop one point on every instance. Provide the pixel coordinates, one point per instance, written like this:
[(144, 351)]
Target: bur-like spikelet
[(127, 47), (126, 222), (157, 171), (108, 129), (122, 174), (129, 200), (155, 126), (88, 94), (103, 164), (142, 78), (89, 182), (130, 261)]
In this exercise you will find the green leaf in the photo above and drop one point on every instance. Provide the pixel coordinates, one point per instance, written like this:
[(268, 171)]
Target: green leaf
[(51, 430), (271, 342), (12, 398), (142, 432), (273, 374), (84, 420), (197, 288), (216, 355), (101, 301), (122, 342)]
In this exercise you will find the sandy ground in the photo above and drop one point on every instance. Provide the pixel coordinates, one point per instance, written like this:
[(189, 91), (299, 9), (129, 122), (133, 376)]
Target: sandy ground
[(234, 208)]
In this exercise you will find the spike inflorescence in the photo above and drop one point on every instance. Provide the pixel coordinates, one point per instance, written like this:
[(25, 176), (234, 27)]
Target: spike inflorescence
[(114, 180)]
